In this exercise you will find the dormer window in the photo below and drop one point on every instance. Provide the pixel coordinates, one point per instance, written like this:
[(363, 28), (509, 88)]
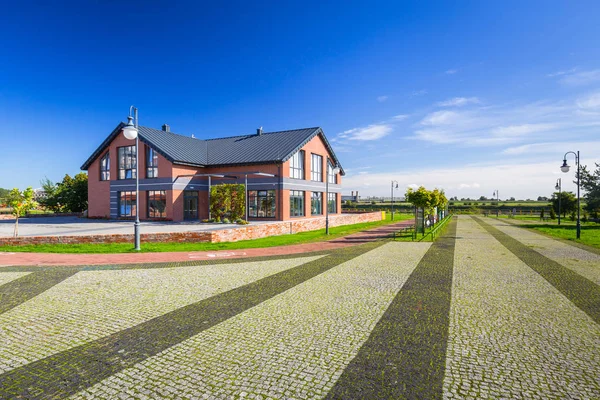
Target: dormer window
[(105, 168)]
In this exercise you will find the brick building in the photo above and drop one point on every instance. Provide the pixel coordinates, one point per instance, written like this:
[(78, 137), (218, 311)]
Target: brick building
[(285, 171)]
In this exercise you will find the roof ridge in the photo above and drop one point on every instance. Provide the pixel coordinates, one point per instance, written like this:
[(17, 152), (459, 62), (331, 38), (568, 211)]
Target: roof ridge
[(264, 133)]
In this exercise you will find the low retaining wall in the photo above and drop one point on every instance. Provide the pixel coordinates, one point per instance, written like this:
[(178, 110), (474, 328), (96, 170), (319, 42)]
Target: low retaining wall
[(244, 232)]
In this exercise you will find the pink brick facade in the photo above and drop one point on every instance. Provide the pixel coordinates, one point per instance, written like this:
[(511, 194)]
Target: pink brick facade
[(234, 234), (174, 179)]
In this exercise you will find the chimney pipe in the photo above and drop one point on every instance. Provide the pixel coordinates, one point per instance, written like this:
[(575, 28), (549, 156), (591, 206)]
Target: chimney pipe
[(166, 128), (259, 131)]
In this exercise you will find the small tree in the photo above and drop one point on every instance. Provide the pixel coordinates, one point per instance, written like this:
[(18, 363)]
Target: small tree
[(21, 203)]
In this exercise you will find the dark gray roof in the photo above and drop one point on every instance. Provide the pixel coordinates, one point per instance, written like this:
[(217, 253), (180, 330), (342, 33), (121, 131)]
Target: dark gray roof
[(269, 147)]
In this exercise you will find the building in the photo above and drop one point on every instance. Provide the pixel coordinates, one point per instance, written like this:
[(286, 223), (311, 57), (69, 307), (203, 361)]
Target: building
[(285, 171)]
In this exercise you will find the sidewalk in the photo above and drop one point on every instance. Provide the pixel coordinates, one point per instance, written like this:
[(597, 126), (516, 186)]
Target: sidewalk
[(52, 259)]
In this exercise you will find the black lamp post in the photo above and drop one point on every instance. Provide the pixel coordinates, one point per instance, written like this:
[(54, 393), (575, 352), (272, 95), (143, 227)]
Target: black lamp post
[(396, 182), (565, 168), (559, 188), (130, 131)]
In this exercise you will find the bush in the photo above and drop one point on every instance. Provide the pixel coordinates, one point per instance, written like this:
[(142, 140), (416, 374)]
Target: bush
[(585, 217), (208, 220), (552, 214), (242, 222), (225, 221)]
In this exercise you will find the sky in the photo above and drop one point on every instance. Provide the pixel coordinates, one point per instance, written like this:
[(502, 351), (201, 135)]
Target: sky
[(469, 97)]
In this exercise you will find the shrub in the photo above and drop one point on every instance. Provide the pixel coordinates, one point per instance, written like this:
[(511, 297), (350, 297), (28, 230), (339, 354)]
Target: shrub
[(552, 214), (225, 221), (242, 222), (208, 220)]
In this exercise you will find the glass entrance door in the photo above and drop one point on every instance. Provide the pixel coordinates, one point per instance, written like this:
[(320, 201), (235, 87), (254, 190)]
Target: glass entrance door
[(190, 205)]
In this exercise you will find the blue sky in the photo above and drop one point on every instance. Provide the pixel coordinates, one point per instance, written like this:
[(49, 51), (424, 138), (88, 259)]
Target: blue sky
[(470, 97)]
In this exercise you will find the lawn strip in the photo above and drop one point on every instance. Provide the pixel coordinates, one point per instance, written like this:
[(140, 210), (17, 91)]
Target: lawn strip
[(404, 356), (27, 287), (584, 293), (70, 371)]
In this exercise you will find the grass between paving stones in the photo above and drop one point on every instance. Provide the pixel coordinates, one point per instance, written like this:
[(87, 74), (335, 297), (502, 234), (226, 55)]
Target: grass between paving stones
[(272, 241), (582, 292), (68, 372), (405, 355)]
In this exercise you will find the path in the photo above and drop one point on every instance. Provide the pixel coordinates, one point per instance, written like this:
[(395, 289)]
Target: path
[(16, 258), (477, 314)]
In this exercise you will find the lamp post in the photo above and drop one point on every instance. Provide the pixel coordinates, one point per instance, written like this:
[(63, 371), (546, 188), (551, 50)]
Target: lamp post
[(335, 171), (130, 131), (559, 188), (565, 168), (393, 196), (496, 193)]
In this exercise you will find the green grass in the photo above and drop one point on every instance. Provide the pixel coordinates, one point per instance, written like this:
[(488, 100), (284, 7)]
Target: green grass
[(273, 241), (590, 234)]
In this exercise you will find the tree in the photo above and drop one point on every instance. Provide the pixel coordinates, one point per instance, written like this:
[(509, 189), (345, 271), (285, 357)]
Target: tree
[(568, 202), (21, 203), (4, 193), (542, 198), (70, 195), (482, 198), (590, 183), (228, 200)]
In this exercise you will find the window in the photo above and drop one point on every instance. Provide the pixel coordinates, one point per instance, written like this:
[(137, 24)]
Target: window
[(316, 203), (157, 204), (261, 203), (127, 204), (296, 203), (332, 203), (316, 168), (151, 163), (297, 165), (331, 177), (105, 168), (127, 164)]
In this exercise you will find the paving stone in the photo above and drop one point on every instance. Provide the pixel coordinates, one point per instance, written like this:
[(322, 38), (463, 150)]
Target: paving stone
[(309, 333), (94, 304), (508, 323), (6, 277)]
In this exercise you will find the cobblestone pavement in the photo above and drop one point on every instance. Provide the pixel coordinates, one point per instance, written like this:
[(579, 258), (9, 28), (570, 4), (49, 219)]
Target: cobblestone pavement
[(293, 346), (293, 326), (579, 260), (93, 304), (512, 335)]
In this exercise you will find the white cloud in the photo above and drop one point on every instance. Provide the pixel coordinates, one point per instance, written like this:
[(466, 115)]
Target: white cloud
[(371, 132), (580, 78), (441, 118), (458, 102), (400, 117), (590, 102), (468, 185), (561, 73), (451, 71), (521, 130), (381, 99), (553, 149)]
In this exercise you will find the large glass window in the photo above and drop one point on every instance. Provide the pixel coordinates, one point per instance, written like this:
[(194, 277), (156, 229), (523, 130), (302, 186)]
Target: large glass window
[(297, 165), (157, 204), (332, 178), (127, 164), (316, 168), (105, 168), (261, 203), (127, 204), (316, 203), (151, 163), (332, 203), (296, 203)]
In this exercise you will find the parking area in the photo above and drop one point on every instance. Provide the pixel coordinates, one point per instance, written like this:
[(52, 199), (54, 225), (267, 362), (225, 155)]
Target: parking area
[(378, 320), (74, 226)]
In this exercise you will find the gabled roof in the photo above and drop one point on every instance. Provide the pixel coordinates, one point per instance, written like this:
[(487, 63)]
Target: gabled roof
[(268, 147)]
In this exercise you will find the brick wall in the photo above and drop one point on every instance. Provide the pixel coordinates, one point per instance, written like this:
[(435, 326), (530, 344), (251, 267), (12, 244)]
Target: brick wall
[(238, 233)]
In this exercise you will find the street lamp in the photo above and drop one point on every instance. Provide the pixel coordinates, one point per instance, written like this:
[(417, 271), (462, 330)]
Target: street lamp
[(559, 188), (496, 193), (335, 170), (393, 196), (130, 131), (565, 168)]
